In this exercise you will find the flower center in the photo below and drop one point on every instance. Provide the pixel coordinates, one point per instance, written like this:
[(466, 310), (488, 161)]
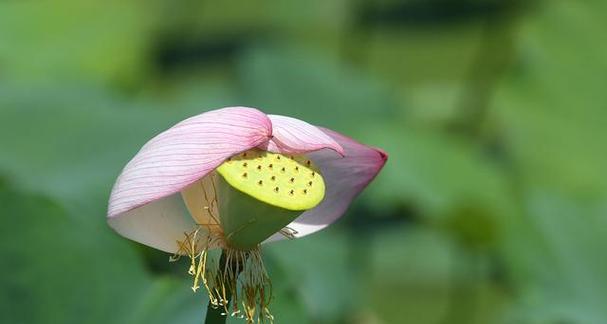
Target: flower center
[(289, 182), (260, 193), (250, 197)]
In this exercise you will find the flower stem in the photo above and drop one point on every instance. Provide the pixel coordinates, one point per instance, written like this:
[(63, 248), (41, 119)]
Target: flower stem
[(216, 315)]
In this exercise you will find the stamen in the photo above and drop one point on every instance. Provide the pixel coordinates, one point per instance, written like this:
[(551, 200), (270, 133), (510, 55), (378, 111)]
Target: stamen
[(240, 275), (288, 232)]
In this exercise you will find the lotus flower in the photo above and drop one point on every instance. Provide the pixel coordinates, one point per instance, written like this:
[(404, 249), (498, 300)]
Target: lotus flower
[(233, 179)]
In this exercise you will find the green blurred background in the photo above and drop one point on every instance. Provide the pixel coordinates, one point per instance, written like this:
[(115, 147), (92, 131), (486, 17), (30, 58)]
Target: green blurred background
[(491, 209)]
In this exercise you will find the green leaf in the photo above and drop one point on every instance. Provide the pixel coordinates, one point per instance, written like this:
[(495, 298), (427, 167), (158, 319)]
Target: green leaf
[(57, 268), (62, 265), (562, 272), (552, 107), (318, 271), (299, 83), (45, 41), (417, 274), (435, 172)]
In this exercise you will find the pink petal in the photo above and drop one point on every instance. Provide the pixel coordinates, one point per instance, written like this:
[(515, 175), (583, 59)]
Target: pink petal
[(185, 153), (344, 177), (182, 155), (295, 136), (158, 224)]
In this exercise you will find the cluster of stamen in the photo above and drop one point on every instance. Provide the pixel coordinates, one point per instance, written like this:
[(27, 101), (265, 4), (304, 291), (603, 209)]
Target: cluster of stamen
[(237, 282), (247, 297)]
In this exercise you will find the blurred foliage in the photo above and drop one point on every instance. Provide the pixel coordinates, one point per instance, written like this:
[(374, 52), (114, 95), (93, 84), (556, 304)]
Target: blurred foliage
[(491, 209)]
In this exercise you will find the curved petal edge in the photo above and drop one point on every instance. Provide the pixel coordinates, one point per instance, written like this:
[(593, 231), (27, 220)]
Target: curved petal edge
[(294, 136), (185, 153), (345, 177)]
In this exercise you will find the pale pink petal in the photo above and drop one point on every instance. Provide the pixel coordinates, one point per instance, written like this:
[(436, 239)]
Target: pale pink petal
[(175, 159), (345, 177), (293, 136), (158, 224), (185, 153)]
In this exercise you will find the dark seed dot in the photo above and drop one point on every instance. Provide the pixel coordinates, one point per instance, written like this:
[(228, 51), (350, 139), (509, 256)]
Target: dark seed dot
[(283, 170), (244, 154), (245, 164), (308, 162), (259, 167), (260, 182), (276, 189), (310, 183), (296, 168), (244, 175), (291, 192), (278, 157), (292, 180), (271, 165), (273, 178), (313, 174), (305, 191)]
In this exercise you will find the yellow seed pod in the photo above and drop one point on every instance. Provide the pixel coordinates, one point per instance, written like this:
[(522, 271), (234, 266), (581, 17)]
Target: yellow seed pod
[(289, 182)]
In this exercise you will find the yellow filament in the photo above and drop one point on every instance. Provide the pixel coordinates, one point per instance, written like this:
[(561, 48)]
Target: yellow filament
[(243, 271)]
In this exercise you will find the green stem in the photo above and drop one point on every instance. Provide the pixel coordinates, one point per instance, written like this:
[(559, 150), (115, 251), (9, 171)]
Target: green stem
[(215, 315)]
